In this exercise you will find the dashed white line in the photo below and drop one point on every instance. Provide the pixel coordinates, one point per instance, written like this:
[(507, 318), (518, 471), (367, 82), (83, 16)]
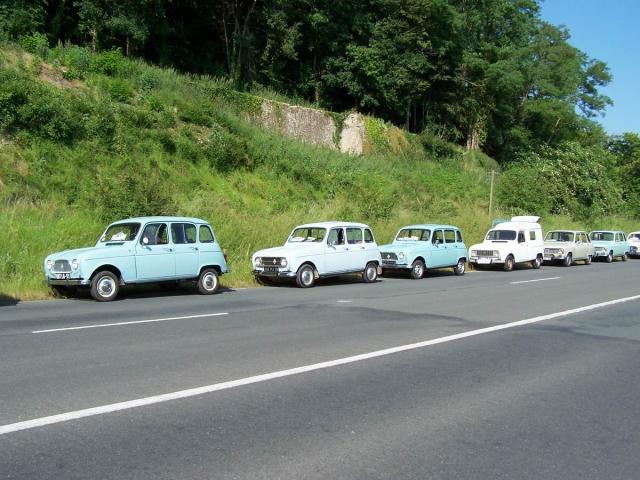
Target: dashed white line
[(344, 301), (536, 280), (114, 407), (118, 324)]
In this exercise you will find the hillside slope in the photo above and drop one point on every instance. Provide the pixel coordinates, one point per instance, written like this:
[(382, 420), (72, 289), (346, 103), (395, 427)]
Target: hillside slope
[(86, 139)]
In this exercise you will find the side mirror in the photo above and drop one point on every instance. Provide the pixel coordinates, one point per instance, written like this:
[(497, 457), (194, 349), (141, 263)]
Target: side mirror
[(145, 241)]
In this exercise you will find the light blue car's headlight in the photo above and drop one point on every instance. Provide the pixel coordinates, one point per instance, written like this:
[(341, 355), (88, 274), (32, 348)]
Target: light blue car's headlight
[(401, 256), (258, 261), (75, 264), (49, 264), (283, 262)]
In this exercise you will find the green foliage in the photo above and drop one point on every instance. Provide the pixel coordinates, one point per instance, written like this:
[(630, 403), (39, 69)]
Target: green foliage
[(110, 62), (437, 147), (569, 180), (226, 151), (120, 90), (127, 191), (35, 43)]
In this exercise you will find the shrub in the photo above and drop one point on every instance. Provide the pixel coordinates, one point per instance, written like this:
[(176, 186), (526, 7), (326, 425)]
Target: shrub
[(437, 147), (226, 151), (110, 62), (120, 90), (129, 190), (148, 80), (36, 43)]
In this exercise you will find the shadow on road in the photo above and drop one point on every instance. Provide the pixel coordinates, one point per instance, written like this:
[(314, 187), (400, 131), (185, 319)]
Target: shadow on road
[(7, 300)]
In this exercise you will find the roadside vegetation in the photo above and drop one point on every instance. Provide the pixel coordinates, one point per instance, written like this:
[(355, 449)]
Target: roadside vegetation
[(88, 138)]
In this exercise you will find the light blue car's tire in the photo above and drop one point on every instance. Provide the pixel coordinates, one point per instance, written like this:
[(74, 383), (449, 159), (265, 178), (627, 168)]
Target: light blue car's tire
[(460, 267), (609, 257), (624, 257), (208, 282), (417, 270), (105, 286)]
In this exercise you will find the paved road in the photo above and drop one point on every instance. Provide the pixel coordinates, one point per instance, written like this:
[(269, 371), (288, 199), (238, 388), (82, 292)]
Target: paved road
[(554, 398)]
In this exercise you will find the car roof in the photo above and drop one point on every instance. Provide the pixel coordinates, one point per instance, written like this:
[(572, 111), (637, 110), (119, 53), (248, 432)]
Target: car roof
[(333, 223), (162, 219), (430, 226), (634, 233), (607, 231), (563, 230)]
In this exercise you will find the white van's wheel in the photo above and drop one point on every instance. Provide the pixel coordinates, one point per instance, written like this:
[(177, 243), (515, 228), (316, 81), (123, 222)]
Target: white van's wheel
[(508, 263), (537, 263), (588, 260)]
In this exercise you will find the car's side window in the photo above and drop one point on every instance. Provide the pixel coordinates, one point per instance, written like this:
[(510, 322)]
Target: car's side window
[(532, 234), (182, 233), (368, 236), (438, 237), (623, 237), (521, 237), (156, 234), (336, 236), (450, 236), (205, 234), (459, 236), (354, 235)]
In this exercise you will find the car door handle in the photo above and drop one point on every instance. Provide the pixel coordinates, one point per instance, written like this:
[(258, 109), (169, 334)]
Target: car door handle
[(168, 249), (193, 248)]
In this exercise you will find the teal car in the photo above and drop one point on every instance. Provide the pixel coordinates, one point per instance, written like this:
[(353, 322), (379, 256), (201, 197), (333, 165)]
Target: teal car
[(418, 248), (141, 250), (609, 244)]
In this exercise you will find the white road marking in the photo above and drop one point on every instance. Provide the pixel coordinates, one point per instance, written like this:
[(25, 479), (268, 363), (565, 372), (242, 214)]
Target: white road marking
[(117, 324), (140, 402), (344, 301), (536, 280)]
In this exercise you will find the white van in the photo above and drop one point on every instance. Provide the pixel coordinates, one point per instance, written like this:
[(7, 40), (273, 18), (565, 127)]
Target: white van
[(508, 243)]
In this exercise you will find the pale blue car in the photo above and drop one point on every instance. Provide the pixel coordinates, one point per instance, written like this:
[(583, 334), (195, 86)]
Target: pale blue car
[(610, 244), (418, 248), (141, 250)]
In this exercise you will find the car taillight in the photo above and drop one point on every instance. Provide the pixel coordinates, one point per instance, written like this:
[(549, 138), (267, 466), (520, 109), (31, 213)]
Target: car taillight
[(226, 257)]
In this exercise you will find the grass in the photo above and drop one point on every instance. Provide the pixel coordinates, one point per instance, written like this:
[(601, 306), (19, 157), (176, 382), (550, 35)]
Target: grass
[(150, 141)]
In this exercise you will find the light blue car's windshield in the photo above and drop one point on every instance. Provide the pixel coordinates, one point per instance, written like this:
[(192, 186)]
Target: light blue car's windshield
[(559, 237), (501, 235), (121, 232), (602, 236), (414, 235), (307, 234)]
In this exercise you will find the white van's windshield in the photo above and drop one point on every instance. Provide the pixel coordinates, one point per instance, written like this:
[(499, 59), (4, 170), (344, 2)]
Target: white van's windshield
[(501, 235)]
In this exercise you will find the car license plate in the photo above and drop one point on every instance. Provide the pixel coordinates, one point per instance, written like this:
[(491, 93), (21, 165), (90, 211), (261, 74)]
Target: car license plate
[(484, 261), (62, 276), (270, 270)]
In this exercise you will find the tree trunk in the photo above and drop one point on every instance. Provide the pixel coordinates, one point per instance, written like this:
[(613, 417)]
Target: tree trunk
[(473, 137)]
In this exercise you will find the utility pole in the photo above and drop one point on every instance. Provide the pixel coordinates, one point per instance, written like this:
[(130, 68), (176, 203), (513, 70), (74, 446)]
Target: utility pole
[(493, 175)]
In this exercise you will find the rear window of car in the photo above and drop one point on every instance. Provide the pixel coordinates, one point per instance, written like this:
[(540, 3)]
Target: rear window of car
[(206, 236), (354, 235), (450, 236), (368, 236)]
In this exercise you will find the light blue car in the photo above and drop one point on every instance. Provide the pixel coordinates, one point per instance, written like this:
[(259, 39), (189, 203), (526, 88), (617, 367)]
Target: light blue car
[(610, 244), (141, 250), (418, 248)]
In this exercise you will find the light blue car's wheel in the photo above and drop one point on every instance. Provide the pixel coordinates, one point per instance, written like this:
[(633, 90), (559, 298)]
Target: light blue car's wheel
[(417, 269), (104, 286), (459, 269), (208, 282)]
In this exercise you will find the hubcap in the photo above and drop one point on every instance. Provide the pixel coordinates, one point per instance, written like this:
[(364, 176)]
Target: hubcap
[(307, 276), (106, 286), (417, 269), (460, 267), (371, 273), (210, 281)]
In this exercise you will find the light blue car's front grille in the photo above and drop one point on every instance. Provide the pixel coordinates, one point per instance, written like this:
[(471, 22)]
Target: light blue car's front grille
[(61, 266)]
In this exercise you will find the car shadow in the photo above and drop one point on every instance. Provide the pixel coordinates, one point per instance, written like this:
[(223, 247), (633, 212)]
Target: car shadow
[(148, 290), (7, 300)]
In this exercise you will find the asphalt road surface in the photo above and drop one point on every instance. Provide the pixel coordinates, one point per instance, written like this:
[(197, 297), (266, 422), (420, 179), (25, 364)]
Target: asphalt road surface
[(533, 374)]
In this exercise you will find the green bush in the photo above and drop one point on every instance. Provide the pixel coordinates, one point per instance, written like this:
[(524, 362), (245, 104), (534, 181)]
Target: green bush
[(120, 90), (133, 190), (148, 80), (226, 151), (36, 43), (111, 62), (437, 147)]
